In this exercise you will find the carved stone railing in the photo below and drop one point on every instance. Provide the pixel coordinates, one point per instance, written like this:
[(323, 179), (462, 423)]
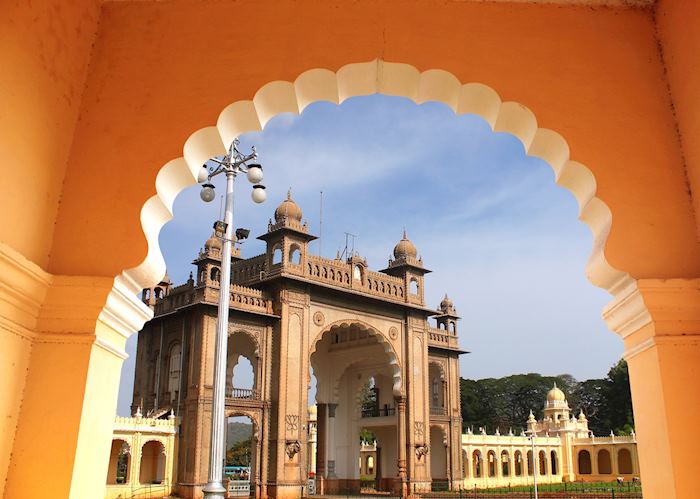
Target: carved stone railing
[(249, 271), (438, 411), (626, 439), (378, 412), (441, 338), (339, 273), (241, 297), (177, 297), (245, 393)]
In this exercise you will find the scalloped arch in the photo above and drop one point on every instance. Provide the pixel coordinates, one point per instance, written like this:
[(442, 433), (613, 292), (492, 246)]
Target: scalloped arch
[(358, 79), (383, 341)]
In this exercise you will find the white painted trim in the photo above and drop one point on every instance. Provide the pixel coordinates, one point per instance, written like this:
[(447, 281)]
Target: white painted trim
[(124, 311), (627, 312), (109, 347)]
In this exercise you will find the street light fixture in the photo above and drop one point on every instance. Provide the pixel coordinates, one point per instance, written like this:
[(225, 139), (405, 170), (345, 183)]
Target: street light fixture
[(233, 163)]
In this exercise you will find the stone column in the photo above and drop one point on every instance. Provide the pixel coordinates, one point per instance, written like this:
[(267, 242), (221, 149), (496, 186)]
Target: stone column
[(659, 321), (401, 440), (330, 437)]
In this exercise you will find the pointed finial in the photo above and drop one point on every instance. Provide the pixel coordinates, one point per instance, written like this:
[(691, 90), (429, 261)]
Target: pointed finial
[(404, 233), (289, 193), (555, 384)]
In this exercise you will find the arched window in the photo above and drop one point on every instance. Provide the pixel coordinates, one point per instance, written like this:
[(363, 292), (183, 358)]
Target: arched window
[(465, 464), (436, 391), (158, 292), (624, 462), (215, 274), (530, 463), (146, 294), (505, 463), (518, 457), (604, 463), (295, 255), (477, 464), (555, 463), (453, 327), (174, 370), (491, 457), (152, 463), (584, 462), (413, 286), (370, 465), (277, 256), (356, 273), (119, 463), (542, 463)]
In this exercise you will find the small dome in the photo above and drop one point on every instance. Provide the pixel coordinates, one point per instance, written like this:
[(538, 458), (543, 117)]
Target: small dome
[(212, 243), (405, 248), (288, 209), (582, 416), (555, 394), (446, 303), (531, 417)]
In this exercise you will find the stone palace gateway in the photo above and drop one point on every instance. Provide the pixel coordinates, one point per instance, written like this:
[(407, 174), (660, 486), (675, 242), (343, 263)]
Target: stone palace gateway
[(294, 315)]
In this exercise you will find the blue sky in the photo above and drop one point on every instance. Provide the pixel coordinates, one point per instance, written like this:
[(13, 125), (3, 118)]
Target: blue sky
[(502, 239)]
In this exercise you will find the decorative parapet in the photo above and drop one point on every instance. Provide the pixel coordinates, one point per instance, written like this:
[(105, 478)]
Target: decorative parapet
[(496, 440), (626, 439), (249, 299), (339, 273), (141, 424), (288, 223), (249, 271), (441, 338)]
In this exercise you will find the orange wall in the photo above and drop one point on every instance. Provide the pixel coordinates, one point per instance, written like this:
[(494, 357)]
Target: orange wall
[(681, 47), (44, 53), (161, 70)]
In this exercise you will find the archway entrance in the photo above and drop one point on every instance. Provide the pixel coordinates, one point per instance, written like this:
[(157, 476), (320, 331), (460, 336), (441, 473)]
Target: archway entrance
[(241, 456), (356, 411)]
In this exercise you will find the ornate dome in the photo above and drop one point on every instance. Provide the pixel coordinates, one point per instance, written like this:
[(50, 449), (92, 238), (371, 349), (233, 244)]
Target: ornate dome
[(212, 243), (405, 248), (446, 303), (288, 209), (555, 394)]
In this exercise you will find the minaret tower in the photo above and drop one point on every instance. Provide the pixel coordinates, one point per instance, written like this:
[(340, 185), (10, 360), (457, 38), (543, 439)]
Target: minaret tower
[(408, 266), (447, 319)]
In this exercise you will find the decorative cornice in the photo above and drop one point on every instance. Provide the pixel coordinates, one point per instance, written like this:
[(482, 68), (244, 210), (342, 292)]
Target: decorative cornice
[(124, 311), (23, 287), (627, 312)]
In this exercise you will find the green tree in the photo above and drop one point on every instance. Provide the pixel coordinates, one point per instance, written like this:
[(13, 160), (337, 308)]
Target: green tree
[(239, 454)]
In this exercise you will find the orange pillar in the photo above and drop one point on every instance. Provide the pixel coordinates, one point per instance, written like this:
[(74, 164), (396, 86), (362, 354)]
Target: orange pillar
[(659, 321), (70, 393)]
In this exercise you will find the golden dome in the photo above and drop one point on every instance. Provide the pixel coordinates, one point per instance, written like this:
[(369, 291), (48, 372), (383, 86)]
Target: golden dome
[(212, 243), (288, 209), (555, 394), (405, 248)]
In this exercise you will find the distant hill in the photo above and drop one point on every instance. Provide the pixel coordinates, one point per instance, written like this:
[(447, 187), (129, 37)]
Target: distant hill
[(237, 432)]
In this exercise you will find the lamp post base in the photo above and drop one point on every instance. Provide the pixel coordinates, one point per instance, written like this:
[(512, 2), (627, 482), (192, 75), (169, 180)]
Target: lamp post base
[(214, 490)]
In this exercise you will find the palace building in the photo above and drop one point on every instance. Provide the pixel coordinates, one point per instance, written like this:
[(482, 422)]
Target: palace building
[(294, 314)]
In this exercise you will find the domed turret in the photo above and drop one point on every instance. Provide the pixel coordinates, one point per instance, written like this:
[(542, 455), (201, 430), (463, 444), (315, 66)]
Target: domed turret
[(555, 394), (531, 417), (212, 243), (288, 209), (446, 305), (405, 248), (582, 416)]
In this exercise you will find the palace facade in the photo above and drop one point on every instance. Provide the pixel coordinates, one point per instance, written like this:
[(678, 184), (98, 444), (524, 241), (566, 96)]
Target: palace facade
[(294, 314)]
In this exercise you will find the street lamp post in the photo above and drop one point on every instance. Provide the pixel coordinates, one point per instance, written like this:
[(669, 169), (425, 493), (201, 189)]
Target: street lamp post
[(231, 165), (534, 461)]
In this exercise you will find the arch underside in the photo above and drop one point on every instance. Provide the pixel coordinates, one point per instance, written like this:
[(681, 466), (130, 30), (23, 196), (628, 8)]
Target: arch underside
[(359, 79)]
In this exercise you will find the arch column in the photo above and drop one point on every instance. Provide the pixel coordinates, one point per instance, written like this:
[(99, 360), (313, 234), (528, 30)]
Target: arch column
[(77, 336), (659, 321), (402, 443)]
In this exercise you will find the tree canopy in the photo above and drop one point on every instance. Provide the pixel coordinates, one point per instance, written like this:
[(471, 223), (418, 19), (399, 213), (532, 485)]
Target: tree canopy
[(506, 402)]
